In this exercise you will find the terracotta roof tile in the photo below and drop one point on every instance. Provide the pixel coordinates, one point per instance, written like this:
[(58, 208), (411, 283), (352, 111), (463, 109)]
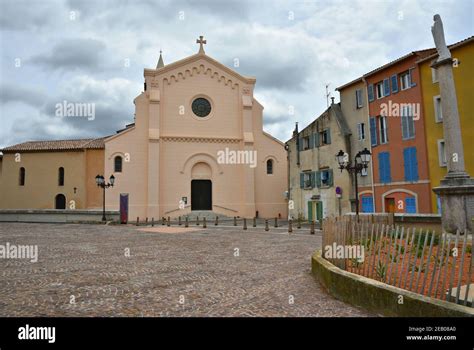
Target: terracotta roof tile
[(56, 145)]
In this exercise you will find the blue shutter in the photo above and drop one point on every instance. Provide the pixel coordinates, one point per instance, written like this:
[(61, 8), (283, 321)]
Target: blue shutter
[(412, 83), (410, 205), (407, 164), (413, 164), (316, 139), (373, 131), (328, 138), (311, 141), (370, 92), (318, 178), (384, 167), (367, 204), (330, 178), (301, 180), (394, 79), (386, 87)]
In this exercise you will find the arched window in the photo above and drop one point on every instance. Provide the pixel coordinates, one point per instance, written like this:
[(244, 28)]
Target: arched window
[(22, 176), (61, 176), (269, 166), (118, 164)]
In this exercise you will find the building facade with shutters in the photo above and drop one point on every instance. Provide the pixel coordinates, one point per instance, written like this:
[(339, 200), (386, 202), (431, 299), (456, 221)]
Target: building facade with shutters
[(354, 105), (463, 71), (314, 175), (401, 182)]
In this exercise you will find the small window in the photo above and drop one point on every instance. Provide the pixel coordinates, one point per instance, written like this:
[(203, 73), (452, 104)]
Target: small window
[(118, 164), (325, 137), (437, 109), (61, 176), (408, 124), (269, 167), (325, 178), (405, 80), (361, 131), (22, 176), (383, 129), (379, 90), (442, 153), (307, 180), (359, 98), (306, 143)]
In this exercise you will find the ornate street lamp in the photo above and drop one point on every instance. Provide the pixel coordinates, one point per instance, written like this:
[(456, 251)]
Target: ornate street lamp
[(361, 162), (100, 181)]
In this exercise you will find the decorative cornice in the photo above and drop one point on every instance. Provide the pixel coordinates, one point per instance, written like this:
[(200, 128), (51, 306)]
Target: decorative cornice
[(199, 139), (201, 69)]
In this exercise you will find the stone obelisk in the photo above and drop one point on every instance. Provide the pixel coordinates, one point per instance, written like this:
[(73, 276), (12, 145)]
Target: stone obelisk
[(457, 188)]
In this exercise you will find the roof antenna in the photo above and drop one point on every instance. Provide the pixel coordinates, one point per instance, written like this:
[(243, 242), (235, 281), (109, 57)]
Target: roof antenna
[(328, 94)]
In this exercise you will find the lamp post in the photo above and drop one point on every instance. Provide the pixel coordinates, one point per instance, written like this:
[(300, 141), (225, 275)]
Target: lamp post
[(100, 181), (361, 161)]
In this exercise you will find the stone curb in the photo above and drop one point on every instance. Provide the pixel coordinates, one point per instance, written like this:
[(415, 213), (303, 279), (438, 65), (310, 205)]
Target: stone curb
[(378, 297)]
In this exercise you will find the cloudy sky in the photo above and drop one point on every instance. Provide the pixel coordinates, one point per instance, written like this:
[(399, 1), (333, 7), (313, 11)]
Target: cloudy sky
[(94, 51)]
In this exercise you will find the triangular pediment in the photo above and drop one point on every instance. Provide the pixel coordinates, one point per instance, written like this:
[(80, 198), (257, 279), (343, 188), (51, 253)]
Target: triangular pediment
[(188, 61)]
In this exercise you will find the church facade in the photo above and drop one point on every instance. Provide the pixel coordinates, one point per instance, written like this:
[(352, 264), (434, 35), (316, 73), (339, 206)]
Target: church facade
[(197, 144), (191, 112)]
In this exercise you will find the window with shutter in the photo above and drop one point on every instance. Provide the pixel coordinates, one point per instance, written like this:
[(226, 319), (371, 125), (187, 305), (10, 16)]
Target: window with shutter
[(370, 92), (301, 180), (318, 179), (386, 87), (412, 76), (384, 167), (394, 81), (313, 179), (316, 139), (414, 164), (367, 204), (373, 131), (410, 205), (406, 164)]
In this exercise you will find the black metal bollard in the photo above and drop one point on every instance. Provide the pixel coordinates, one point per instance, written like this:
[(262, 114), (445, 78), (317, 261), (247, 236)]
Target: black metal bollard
[(163, 220), (299, 223), (138, 221), (266, 225), (186, 222), (290, 226), (152, 222), (197, 220), (204, 225), (146, 221), (254, 222), (245, 223), (168, 222), (235, 221), (312, 228), (276, 222), (179, 220), (217, 221)]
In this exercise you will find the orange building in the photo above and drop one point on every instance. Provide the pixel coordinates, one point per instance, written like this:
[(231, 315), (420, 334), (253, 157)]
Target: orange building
[(396, 123)]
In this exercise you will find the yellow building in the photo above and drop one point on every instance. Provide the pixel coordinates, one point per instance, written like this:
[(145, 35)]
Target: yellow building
[(52, 175), (463, 56)]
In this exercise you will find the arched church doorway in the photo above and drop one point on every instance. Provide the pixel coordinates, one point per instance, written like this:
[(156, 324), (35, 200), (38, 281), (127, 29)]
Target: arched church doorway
[(201, 186), (201, 195), (60, 201)]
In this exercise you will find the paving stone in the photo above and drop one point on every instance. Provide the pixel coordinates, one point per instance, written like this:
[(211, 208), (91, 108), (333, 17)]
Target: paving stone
[(83, 270)]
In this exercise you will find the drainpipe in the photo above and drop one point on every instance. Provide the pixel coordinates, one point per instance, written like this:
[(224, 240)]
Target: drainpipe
[(370, 144)]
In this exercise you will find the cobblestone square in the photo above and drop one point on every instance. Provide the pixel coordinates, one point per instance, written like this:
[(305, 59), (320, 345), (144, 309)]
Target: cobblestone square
[(95, 270)]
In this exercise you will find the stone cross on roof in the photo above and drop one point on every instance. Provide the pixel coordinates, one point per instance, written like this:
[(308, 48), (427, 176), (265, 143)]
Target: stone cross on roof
[(201, 41)]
